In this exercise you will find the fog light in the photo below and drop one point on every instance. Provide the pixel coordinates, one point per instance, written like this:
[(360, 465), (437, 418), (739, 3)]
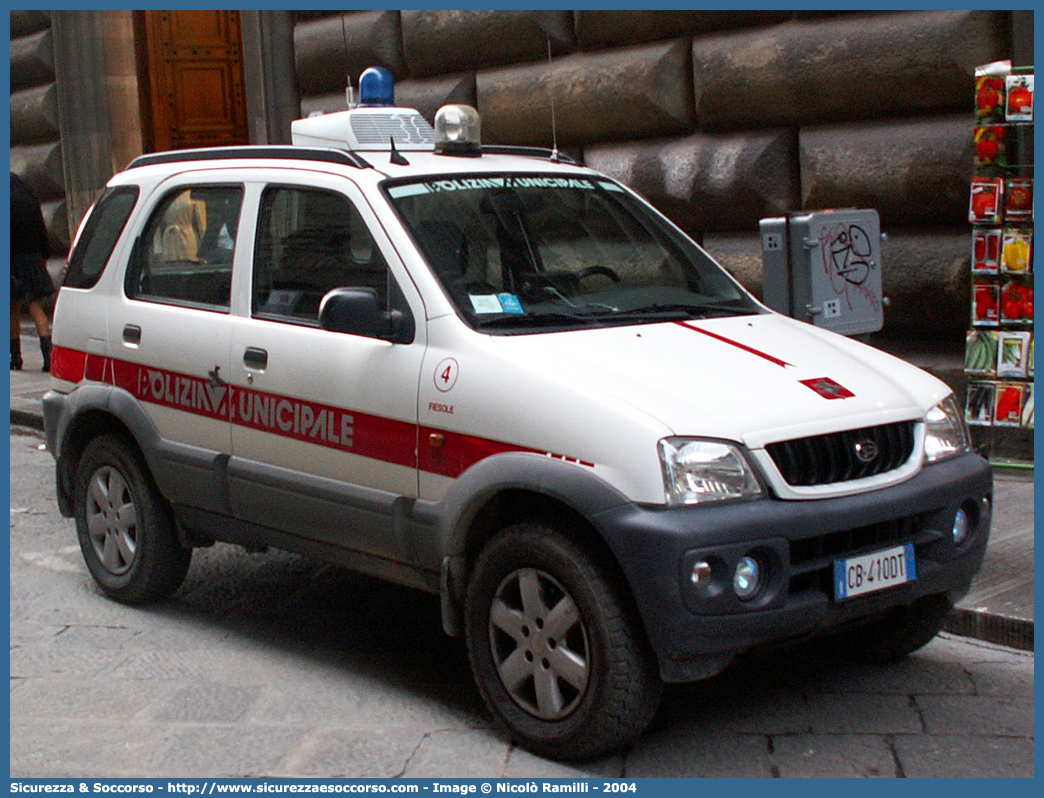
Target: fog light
[(961, 526), (747, 578), (701, 574)]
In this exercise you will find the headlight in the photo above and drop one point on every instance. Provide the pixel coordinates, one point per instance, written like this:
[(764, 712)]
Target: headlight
[(946, 434), (696, 471)]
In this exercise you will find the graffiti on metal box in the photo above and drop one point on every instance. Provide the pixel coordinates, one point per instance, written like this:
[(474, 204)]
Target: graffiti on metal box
[(848, 262)]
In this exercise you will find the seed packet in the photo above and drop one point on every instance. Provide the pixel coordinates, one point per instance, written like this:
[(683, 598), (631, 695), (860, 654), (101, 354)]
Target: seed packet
[(1015, 257), (1027, 406), (986, 250), (1013, 354), (979, 409), (980, 352), (989, 91), (990, 146), (1016, 302), (1019, 98), (987, 194), (1008, 404), (985, 303), (1018, 203), (1029, 358)]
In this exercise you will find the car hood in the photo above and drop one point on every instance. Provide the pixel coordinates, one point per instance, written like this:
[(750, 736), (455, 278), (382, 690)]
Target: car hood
[(754, 379)]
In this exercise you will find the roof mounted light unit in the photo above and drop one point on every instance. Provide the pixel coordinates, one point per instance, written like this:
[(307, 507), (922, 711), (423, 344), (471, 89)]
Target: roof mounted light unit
[(372, 126)]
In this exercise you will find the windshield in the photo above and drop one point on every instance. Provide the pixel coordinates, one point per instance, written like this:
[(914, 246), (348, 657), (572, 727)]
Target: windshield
[(519, 253)]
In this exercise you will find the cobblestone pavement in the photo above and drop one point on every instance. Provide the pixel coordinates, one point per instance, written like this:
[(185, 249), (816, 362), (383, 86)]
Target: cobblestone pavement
[(271, 665)]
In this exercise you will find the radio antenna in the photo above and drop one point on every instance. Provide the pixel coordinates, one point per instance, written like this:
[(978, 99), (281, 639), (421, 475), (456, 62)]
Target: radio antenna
[(551, 91), (349, 93)]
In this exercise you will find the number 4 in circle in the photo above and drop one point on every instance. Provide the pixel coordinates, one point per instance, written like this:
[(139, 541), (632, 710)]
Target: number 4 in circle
[(446, 374)]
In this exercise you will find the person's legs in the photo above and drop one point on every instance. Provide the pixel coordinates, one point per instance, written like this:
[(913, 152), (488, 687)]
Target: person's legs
[(43, 327), (16, 334)]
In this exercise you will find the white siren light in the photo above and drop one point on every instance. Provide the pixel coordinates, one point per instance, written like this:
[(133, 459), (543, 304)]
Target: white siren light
[(458, 131)]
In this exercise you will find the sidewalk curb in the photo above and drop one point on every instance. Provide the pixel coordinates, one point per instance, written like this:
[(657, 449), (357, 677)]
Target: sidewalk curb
[(26, 419), (990, 628)]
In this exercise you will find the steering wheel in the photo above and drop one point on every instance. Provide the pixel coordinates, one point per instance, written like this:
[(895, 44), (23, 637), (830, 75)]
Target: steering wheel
[(601, 271)]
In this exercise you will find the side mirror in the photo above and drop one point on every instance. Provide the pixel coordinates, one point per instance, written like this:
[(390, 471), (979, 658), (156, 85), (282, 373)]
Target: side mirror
[(356, 311)]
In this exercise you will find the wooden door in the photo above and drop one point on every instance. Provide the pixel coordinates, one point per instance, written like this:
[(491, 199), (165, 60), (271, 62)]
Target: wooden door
[(195, 79)]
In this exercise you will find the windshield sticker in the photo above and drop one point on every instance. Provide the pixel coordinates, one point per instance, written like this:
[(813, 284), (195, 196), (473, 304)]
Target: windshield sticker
[(610, 187), (395, 192), (510, 303), (472, 183), (486, 303)]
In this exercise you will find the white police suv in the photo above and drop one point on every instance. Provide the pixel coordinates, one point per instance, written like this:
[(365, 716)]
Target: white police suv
[(501, 377)]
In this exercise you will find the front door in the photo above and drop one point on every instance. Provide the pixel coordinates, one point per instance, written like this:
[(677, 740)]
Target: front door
[(324, 424)]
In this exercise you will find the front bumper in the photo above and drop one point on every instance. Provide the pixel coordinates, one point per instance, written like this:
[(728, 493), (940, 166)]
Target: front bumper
[(697, 631)]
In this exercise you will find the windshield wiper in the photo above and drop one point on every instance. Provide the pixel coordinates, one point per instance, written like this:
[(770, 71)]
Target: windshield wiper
[(536, 320), (684, 311)]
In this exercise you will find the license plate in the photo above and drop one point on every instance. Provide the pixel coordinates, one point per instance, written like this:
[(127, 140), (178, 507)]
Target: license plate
[(856, 576)]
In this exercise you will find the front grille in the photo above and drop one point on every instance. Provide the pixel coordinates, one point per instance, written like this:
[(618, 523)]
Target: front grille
[(812, 558), (825, 459)]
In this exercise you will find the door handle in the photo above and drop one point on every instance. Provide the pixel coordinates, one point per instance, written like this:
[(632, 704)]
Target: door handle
[(132, 334), (254, 358)]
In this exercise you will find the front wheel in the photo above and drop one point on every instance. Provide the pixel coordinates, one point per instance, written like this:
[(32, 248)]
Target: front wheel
[(557, 652), (125, 527)]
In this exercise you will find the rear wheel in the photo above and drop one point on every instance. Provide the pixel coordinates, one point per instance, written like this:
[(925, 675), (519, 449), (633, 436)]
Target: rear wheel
[(556, 650), (895, 635), (125, 527)]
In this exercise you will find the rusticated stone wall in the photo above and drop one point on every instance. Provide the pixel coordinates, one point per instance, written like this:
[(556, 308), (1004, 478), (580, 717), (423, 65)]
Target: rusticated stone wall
[(720, 118), (36, 152)]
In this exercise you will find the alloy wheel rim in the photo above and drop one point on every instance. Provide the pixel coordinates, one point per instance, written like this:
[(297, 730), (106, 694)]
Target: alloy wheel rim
[(112, 520), (540, 644)]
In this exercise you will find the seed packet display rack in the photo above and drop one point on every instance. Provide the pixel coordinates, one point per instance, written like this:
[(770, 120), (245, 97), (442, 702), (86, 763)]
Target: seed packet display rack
[(1000, 344)]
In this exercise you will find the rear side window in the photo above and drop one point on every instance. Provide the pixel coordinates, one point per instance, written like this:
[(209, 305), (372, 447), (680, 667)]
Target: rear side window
[(184, 256), (100, 233)]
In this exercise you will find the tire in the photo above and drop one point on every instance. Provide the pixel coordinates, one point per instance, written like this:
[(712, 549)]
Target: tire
[(894, 636), (556, 649), (125, 527)]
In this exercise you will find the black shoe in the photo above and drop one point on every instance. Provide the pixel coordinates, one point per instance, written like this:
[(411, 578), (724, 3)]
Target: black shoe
[(16, 354), (45, 350)]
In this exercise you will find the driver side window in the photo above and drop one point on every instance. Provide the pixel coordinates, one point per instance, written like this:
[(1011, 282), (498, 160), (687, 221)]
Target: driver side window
[(310, 241)]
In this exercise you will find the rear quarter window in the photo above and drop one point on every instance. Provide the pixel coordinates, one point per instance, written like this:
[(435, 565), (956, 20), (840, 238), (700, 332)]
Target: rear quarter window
[(100, 233)]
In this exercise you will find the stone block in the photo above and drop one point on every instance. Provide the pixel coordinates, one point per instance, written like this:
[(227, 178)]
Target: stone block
[(40, 166), (972, 757), (992, 716), (438, 42), (912, 171), (597, 28), (833, 756), (331, 49), (427, 95), (32, 60), (34, 114), (31, 21), (664, 755), (740, 254), (56, 217), (709, 182), (631, 92), (844, 68), (863, 714)]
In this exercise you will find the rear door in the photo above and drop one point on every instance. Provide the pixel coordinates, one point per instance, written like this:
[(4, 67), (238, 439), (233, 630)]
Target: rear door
[(170, 331), (324, 432)]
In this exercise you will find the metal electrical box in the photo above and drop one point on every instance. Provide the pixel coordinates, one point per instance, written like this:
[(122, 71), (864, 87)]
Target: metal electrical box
[(824, 267)]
